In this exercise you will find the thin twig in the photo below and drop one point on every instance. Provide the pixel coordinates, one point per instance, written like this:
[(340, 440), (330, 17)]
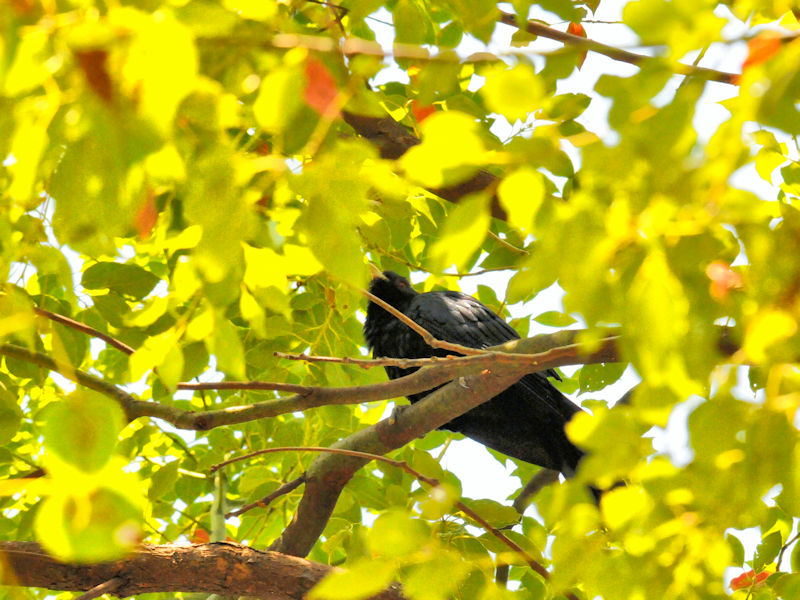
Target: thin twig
[(107, 587), (267, 500), (507, 244), (632, 58), (121, 346), (791, 541), (424, 333), (542, 478), (85, 379)]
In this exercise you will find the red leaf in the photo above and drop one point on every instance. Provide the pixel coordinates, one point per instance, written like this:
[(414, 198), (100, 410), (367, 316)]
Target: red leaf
[(93, 65), (761, 48), (421, 112), (723, 279), (577, 29), (200, 536), (749, 580), (147, 216), (320, 91)]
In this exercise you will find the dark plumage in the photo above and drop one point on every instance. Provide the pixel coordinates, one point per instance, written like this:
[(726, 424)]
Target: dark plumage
[(526, 421)]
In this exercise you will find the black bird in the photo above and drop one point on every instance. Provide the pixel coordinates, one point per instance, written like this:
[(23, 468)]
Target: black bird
[(526, 421)]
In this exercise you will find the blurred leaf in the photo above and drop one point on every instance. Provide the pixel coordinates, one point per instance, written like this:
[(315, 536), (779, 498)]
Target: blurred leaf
[(361, 580), (463, 232), (395, 534), (10, 415), (91, 527), (514, 92), (450, 151), (124, 278)]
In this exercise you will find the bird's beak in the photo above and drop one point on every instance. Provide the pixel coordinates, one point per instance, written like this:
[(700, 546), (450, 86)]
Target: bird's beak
[(376, 272)]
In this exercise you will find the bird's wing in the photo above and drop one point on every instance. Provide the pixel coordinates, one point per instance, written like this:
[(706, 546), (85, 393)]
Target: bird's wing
[(461, 319)]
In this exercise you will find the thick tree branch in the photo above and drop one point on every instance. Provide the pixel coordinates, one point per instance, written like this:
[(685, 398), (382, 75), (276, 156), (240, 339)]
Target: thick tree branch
[(222, 568), (544, 356), (329, 473), (400, 464)]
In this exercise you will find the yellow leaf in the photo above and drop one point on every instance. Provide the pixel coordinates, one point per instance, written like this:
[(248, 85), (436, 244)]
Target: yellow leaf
[(521, 194), (514, 92), (450, 151), (362, 580), (767, 329)]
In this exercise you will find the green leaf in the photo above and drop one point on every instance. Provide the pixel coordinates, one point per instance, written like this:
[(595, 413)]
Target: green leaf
[(279, 99), (10, 415), (521, 194), (737, 549), (498, 515), (361, 580), (767, 551), (437, 578), (553, 318), (124, 278), (89, 527), (82, 429), (226, 345), (395, 534), (163, 480), (595, 377), (513, 92), (795, 558), (412, 23), (463, 233)]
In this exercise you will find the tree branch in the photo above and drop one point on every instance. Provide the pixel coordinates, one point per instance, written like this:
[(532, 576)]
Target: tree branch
[(329, 473), (400, 464), (585, 44), (66, 321), (221, 568), (426, 335)]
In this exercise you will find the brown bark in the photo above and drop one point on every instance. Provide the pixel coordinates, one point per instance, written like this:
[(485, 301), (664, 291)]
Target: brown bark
[(222, 568)]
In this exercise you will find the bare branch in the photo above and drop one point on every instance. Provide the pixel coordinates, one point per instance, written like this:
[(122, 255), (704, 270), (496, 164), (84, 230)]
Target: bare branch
[(424, 333), (221, 568), (542, 479), (78, 326), (125, 400), (618, 54), (267, 500)]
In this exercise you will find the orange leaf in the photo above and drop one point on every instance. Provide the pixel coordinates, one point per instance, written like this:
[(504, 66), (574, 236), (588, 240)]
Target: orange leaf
[(749, 580), (421, 112), (761, 48), (147, 216), (200, 536), (577, 29), (723, 279), (320, 89), (93, 65)]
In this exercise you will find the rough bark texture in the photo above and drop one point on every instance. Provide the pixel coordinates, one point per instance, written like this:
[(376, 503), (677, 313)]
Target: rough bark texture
[(223, 568)]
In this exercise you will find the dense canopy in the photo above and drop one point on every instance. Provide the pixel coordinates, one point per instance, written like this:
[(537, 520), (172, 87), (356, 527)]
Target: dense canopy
[(191, 195)]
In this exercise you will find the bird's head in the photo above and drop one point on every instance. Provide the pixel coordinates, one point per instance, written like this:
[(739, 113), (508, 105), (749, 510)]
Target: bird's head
[(392, 288)]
